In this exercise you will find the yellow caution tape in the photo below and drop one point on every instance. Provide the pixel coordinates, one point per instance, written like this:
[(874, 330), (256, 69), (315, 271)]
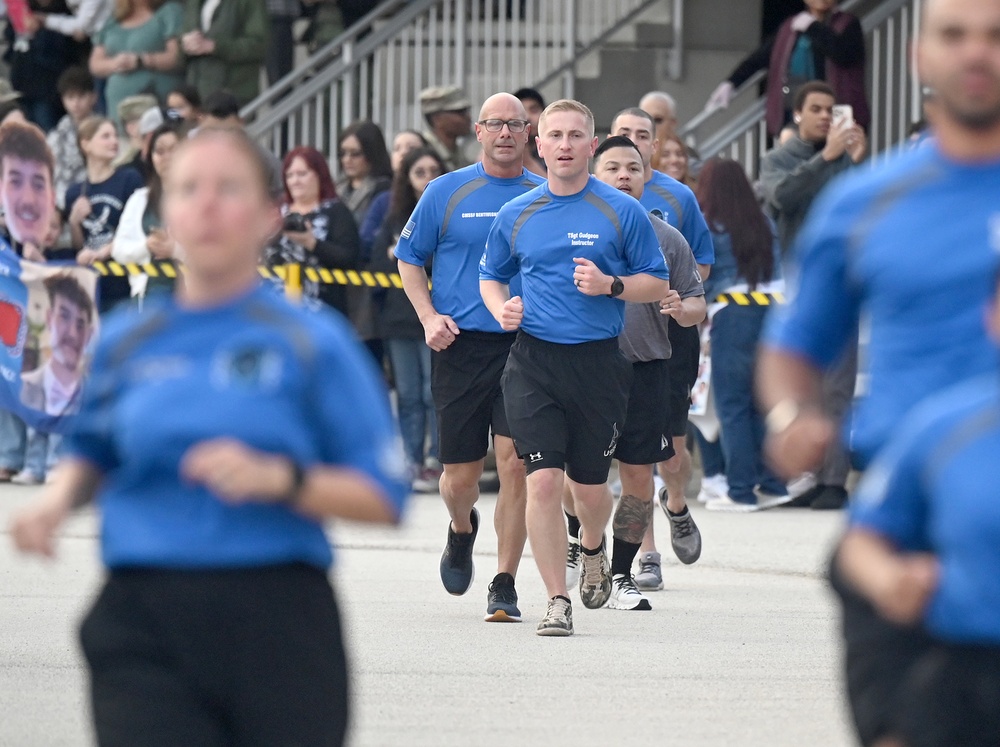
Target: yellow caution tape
[(284, 273), (753, 298)]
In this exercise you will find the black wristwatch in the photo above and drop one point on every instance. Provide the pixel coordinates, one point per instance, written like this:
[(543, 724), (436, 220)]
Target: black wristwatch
[(617, 287)]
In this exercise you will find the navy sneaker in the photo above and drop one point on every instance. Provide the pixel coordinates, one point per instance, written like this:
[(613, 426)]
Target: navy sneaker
[(502, 600), (457, 570)]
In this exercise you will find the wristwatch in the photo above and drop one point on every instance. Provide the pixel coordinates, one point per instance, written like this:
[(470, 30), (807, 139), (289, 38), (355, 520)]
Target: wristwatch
[(617, 287)]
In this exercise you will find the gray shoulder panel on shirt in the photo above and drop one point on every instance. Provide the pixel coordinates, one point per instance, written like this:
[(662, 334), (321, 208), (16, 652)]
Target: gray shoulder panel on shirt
[(970, 429), (880, 205), (667, 195), (684, 277), (541, 201), (457, 196), (604, 207), (293, 329)]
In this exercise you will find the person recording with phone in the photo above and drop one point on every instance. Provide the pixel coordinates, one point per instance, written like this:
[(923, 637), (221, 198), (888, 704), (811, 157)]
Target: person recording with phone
[(828, 143), (318, 230)]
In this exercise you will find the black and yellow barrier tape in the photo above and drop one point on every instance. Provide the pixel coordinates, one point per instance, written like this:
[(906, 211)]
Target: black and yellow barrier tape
[(360, 278), (753, 298)]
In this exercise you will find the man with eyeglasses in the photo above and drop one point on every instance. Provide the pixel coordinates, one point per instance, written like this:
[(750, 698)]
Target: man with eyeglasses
[(450, 225), (662, 107), (446, 111)]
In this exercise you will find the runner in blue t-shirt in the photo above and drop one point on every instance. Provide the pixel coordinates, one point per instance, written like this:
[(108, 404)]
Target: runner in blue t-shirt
[(217, 431), (675, 203), (911, 247), (923, 550), (581, 249), (449, 225)]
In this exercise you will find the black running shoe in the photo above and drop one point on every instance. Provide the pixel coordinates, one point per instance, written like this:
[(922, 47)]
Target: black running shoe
[(502, 600), (457, 570)]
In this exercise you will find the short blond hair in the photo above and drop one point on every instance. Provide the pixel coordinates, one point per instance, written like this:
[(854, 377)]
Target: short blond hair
[(567, 105)]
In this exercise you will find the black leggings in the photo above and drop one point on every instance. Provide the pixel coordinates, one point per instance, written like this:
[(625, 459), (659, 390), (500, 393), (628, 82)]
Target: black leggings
[(211, 658)]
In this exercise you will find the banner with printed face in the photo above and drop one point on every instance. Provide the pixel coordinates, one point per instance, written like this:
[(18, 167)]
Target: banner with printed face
[(48, 312)]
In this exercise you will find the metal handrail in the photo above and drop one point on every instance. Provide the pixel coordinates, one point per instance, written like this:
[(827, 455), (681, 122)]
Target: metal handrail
[(377, 69), (324, 54), (886, 129), (870, 21), (306, 91)]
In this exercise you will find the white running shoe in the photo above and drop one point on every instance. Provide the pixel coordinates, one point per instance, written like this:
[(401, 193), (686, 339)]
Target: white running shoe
[(625, 595), (713, 486), (26, 477), (725, 503), (771, 500), (801, 484)]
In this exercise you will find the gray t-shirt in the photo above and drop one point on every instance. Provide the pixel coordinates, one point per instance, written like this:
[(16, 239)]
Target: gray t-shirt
[(645, 335)]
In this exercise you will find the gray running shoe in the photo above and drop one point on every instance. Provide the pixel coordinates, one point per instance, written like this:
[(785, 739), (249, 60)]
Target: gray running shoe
[(649, 577), (595, 579), (573, 563), (558, 620), (457, 570), (684, 535)]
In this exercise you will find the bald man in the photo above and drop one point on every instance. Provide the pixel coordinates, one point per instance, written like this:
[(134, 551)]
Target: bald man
[(469, 348), (911, 246), (662, 107)]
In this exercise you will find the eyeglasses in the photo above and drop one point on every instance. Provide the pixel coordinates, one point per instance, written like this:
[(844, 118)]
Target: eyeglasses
[(495, 125), (344, 153), (422, 172)]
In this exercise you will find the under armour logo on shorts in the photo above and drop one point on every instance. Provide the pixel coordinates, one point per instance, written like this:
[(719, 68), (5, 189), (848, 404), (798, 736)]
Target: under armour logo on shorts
[(536, 457), (614, 441)]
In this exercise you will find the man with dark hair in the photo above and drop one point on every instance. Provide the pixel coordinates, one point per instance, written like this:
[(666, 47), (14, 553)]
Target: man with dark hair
[(666, 198), (791, 176), (26, 189), (79, 97), (54, 387), (221, 109), (646, 438), (446, 111), (534, 104)]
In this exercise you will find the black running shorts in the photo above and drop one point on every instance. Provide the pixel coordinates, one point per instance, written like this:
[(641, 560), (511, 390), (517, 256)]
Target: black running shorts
[(685, 349), (646, 437), (566, 404), (465, 383)]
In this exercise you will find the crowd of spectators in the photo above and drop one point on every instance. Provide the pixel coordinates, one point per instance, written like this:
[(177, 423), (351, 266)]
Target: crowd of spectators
[(133, 77)]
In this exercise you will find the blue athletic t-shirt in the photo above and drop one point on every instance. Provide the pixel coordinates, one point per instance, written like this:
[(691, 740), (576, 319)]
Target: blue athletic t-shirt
[(539, 234), (914, 244), (677, 205), (450, 224), (933, 488), (274, 376)]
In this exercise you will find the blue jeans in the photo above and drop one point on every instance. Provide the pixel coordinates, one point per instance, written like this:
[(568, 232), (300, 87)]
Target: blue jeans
[(12, 441), (42, 452), (712, 461), (411, 370), (735, 332)]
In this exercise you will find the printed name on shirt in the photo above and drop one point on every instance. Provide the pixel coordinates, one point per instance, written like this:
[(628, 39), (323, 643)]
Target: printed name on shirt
[(482, 214), (408, 229), (582, 238)]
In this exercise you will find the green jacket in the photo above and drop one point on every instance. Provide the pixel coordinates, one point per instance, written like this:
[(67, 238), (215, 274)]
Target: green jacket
[(240, 30)]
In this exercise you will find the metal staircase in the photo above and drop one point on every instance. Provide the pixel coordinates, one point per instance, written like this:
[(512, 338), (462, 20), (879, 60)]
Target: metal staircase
[(376, 69), (739, 132)]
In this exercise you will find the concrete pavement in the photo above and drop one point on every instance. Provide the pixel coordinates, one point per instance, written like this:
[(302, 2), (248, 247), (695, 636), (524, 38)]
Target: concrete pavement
[(740, 649)]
